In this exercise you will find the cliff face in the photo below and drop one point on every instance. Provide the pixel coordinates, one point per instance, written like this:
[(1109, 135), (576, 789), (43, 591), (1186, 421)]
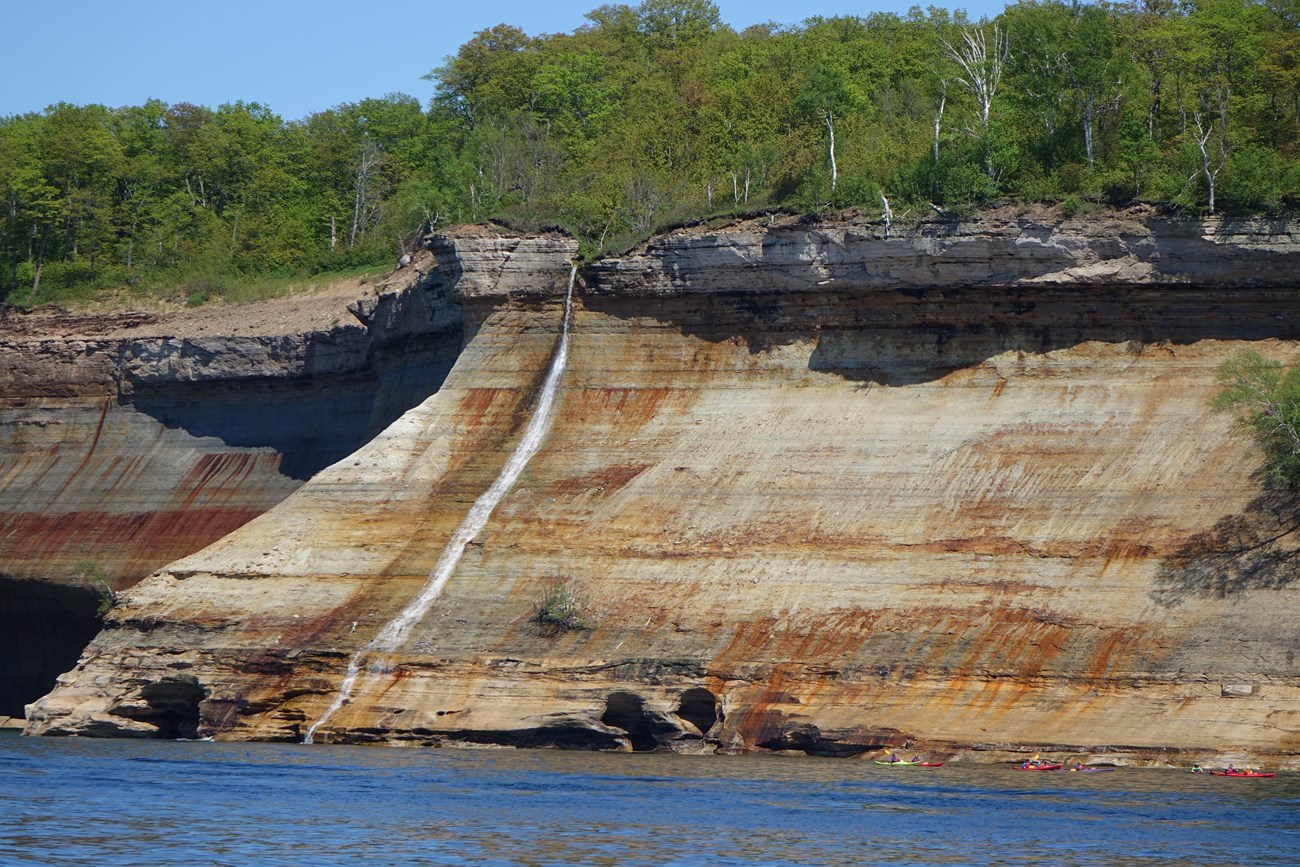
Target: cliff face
[(815, 488), (124, 446)]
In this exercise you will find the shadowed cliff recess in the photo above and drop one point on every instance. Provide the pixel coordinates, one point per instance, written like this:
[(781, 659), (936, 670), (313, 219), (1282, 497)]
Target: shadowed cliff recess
[(819, 490)]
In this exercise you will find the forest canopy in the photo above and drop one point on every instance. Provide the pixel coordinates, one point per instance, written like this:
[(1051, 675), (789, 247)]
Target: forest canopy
[(659, 113)]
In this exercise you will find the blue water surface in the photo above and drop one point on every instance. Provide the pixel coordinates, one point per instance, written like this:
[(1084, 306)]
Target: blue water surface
[(72, 801)]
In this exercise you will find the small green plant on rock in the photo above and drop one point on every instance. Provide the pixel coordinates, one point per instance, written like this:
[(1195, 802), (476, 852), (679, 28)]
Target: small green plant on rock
[(1265, 397), (560, 610), (91, 575)]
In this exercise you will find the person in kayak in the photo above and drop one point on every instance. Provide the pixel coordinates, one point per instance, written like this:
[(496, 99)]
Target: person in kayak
[(915, 759), (1197, 769), (893, 757)]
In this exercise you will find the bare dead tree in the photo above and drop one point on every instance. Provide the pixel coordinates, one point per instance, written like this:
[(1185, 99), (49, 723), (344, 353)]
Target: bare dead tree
[(982, 64), (363, 204)]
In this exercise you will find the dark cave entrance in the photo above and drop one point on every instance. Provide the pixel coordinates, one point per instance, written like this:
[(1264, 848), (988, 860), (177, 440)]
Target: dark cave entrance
[(699, 707), (626, 711), (43, 629), (172, 707)]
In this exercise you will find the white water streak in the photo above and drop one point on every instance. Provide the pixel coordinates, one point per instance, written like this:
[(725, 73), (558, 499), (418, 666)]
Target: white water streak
[(397, 630)]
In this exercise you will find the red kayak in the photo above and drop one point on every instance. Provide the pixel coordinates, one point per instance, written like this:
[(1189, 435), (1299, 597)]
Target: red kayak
[(1238, 774), (1036, 767), (929, 764)]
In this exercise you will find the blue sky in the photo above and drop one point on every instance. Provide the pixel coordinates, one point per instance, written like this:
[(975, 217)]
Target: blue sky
[(295, 56)]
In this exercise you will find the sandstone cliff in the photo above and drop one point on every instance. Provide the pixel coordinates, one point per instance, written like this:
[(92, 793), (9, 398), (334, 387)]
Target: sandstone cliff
[(129, 440), (818, 489)]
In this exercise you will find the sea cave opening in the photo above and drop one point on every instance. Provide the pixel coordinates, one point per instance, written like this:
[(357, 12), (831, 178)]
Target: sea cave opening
[(172, 706), (699, 707), (44, 627), (626, 711)]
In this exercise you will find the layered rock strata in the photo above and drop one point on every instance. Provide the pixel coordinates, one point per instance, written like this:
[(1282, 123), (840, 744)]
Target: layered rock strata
[(814, 488), (126, 444)]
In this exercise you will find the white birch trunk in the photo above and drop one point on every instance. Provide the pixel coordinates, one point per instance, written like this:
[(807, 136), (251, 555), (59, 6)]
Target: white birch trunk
[(938, 119), (1203, 134), (829, 117)]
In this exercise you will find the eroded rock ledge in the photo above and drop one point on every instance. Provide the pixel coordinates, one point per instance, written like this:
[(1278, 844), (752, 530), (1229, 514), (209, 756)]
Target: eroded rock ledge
[(818, 490), (1016, 248)]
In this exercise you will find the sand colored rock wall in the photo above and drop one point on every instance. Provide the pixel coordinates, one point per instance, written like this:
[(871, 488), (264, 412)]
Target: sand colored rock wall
[(131, 440), (973, 516)]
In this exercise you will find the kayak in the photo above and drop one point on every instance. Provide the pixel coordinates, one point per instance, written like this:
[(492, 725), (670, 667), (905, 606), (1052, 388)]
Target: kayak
[(929, 764), (900, 762), (1092, 770), (913, 764), (1237, 774), (1036, 767)]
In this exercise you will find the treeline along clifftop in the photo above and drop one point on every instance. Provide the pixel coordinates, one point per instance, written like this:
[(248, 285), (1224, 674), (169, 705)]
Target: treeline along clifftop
[(660, 112)]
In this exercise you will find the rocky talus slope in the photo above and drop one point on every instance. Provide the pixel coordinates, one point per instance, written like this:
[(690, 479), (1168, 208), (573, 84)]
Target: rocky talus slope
[(816, 489)]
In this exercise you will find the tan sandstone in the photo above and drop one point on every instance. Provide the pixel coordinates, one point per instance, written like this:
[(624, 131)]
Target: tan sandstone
[(818, 489)]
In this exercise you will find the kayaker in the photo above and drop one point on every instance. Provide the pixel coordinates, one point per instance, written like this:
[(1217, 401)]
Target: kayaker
[(1231, 769), (1078, 766), (916, 758), (893, 757), (1197, 769), (1036, 760)]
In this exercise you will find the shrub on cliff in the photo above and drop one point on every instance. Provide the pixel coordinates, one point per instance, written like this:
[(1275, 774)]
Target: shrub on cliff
[(1265, 397), (560, 610), (91, 575)]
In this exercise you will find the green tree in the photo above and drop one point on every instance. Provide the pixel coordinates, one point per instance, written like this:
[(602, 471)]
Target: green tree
[(745, 95), (1265, 398), (1151, 34), (145, 178), (1222, 48), (1041, 67), (33, 206), (829, 94), (1094, 67), (671, 23), (82, 157), (488, 76)]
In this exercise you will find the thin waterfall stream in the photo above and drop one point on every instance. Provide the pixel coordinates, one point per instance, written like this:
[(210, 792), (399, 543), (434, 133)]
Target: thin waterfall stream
[(397, 630)]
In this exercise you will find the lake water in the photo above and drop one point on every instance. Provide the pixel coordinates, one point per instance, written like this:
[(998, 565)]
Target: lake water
[(69, 801)]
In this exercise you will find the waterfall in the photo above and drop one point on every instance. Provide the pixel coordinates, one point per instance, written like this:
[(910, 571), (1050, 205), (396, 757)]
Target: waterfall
[(396, 631)]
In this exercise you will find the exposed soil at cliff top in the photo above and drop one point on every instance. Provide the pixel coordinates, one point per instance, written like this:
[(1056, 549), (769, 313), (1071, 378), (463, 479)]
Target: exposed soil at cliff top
[(318, 308)]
